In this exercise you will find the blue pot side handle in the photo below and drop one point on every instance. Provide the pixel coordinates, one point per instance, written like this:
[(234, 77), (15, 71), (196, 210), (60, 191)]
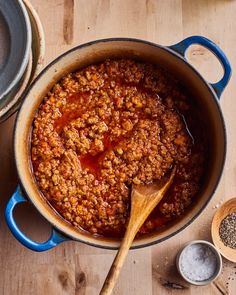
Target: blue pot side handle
[(182, 47), (55, 239)]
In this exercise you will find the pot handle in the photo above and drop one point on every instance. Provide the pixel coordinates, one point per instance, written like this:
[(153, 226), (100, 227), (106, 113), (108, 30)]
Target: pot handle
[(182, 47), (55, 239)]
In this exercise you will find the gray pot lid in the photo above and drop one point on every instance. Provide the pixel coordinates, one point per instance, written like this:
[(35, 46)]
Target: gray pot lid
[(15, 44)]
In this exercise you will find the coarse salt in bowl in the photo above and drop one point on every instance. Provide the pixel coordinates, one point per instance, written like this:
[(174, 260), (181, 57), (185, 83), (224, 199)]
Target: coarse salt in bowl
[(199, 262)]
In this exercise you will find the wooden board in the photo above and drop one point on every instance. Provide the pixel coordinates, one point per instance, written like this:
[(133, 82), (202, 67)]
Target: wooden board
[(74, 268)]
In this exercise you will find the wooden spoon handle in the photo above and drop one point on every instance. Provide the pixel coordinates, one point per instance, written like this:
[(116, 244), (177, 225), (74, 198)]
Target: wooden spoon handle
[(117, 264), (137, 218), (141, 206)]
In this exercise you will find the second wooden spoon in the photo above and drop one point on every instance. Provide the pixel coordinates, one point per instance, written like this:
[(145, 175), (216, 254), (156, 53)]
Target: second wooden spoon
[(144, 198)]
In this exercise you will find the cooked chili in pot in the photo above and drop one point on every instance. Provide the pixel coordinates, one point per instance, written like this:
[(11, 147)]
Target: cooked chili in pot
[(108, 126)]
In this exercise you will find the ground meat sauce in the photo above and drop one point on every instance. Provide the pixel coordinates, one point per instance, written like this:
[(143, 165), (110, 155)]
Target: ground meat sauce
[(111, 125)]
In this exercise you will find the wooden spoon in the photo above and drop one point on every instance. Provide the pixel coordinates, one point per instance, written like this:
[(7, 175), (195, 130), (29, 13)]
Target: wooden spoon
[(144, 198)]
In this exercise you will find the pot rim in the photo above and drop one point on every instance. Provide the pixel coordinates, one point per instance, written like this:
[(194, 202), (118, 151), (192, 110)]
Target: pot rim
[(186, 63)]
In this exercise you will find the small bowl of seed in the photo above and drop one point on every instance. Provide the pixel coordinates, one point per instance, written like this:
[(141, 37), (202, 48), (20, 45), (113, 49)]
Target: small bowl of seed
[(223, 230)]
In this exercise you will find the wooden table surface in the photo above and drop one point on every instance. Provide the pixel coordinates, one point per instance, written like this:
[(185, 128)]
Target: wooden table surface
[(75, 268)]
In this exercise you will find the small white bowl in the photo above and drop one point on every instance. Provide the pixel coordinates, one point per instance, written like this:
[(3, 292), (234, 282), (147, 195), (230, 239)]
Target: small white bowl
[(181, 254)]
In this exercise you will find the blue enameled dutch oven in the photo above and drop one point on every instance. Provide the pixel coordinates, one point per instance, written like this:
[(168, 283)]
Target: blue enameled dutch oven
[(172, 59)]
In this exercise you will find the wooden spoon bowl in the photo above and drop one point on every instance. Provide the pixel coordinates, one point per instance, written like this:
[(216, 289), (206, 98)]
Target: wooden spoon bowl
[(226, 209)]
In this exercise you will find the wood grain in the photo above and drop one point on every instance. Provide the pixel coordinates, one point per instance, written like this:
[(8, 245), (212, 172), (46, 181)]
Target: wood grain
[(68, 21), (75, 268)]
